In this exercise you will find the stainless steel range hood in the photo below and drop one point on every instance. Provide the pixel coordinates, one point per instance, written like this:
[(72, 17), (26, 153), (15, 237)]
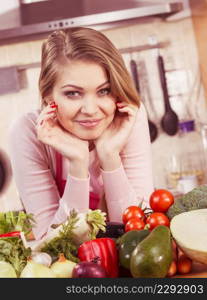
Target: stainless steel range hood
[(43, 17)]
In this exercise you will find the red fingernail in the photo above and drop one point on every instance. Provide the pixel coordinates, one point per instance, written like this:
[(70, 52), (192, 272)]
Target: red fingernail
[(50, 112), (53, 105)]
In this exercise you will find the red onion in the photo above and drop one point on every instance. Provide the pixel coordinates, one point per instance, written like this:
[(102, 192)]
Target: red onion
[(85, 269)]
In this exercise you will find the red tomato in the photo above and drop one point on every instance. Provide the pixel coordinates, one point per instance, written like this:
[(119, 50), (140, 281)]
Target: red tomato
[(161, 200), (132, 212), (184, 264), (156, 219), (134, 224), (172, 269)]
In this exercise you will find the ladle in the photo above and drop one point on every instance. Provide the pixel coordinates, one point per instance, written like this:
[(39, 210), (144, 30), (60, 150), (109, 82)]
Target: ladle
[(169, 121)]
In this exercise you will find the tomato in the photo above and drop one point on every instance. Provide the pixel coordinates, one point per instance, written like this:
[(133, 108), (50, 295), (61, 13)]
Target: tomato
[(161, 200), (175, 250), (184, 264), (157, 218), (133, 212), (134, 224), (172, 269)]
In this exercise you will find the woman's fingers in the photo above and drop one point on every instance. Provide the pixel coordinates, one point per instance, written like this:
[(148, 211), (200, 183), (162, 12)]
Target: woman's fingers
[(124, 107), (49, 112)]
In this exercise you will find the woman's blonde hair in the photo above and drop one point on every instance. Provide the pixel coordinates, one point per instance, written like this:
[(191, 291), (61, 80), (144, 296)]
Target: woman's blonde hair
[(85, 44)]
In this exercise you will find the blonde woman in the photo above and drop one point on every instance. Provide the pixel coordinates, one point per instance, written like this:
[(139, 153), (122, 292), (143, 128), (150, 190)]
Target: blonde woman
[(88, 146)]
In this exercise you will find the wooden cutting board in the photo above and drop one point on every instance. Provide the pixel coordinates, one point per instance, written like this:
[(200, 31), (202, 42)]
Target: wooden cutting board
[(198, 271)]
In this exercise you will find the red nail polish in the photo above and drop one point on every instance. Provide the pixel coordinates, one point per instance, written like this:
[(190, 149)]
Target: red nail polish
[(53, 105), (50, 112)]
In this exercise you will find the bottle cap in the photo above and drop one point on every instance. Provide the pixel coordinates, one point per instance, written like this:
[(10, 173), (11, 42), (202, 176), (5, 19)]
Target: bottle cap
[(187, 126)]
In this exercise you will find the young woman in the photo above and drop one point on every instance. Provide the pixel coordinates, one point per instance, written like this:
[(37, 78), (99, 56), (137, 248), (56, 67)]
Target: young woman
[(89, 145)]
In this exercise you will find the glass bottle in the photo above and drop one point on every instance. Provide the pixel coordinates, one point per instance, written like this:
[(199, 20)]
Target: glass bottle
[(186, 162)]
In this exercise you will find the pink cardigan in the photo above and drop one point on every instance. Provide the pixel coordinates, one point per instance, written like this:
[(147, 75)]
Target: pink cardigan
[(35, 172)]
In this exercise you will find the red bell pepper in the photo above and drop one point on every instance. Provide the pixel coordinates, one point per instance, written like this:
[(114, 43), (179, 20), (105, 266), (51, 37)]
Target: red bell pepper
[(102, 251)]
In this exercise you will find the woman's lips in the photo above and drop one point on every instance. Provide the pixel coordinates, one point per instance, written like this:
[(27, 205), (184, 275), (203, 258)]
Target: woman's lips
[(89, 124)]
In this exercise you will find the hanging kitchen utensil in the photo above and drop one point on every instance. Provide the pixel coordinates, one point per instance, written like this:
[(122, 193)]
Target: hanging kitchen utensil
[(152, 127), (133, 66), (2, 176), (5, 172), (170, 120)]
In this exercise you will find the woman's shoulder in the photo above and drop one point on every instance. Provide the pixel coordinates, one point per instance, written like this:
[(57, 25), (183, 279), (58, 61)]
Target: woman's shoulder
[(141, 116), (24, 123), (140, 131), (142, 110)]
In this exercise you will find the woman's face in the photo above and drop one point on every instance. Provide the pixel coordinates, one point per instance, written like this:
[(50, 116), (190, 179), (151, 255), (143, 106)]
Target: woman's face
[(85, 104)]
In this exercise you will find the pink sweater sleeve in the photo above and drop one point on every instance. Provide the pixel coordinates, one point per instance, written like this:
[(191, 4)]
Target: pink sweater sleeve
[(133, 180), (35, 181)]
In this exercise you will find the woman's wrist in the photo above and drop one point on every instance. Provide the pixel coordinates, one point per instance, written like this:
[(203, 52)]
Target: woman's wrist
[(78, 169), (110, 161)]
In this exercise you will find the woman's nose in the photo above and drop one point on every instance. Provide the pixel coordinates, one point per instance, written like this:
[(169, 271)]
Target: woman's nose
[(89, 106)]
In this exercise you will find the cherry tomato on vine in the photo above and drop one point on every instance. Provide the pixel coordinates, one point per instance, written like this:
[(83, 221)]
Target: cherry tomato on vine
[(161, 200), (156, 219), (134, 224), (133, 212)]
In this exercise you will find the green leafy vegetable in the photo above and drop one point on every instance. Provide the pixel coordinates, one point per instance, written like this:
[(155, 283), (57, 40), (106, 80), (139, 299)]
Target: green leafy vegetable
[(16, 221), (13, 251), (96, 219), (63, 243), (195, 199)]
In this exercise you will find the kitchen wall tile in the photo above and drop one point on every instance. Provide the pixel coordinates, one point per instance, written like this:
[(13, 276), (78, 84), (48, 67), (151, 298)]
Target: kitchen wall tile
[(119, 36)]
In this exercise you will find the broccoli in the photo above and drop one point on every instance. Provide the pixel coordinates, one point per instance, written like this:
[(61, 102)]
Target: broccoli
[(195, 199)]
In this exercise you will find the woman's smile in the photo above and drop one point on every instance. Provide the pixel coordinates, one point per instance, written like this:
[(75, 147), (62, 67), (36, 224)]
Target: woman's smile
[(89, 123)]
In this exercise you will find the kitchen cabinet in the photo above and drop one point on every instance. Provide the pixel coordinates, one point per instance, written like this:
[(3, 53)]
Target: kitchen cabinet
[(199, 18)]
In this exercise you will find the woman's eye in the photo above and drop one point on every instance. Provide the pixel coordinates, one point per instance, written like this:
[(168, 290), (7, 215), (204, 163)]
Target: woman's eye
[(72, 94), (104, 91)]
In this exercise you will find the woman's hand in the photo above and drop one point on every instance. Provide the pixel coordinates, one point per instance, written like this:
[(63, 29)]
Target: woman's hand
[(113, 139), (50, 132)]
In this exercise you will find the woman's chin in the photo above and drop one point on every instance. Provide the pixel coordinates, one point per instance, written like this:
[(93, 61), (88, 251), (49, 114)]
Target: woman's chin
[(89, 137)]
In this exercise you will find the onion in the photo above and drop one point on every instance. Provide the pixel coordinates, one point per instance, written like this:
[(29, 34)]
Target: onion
[(63, 268), (35, 270), (7, 270), (85, 269), (42, 258)]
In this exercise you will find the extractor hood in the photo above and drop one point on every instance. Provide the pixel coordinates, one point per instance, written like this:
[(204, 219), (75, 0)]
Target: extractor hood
[(38, 18)]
